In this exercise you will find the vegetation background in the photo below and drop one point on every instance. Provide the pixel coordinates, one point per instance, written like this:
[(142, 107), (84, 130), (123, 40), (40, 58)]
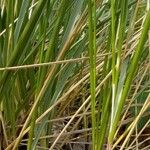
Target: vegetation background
[(74, 74)]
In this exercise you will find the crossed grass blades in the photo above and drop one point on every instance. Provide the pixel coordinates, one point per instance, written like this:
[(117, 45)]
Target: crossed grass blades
[(74, 74)]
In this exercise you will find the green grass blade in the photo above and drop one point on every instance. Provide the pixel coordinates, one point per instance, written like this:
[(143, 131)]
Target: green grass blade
[(21, 17), (92, 53)]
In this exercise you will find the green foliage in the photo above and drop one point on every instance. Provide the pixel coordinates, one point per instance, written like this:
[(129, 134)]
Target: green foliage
[(74, 68)]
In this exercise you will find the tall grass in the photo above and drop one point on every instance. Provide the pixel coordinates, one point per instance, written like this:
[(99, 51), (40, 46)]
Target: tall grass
[(92, 55), (74, 74)]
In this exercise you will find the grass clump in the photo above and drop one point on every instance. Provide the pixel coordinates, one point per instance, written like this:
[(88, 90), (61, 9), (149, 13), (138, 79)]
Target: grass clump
[(74, 74)]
